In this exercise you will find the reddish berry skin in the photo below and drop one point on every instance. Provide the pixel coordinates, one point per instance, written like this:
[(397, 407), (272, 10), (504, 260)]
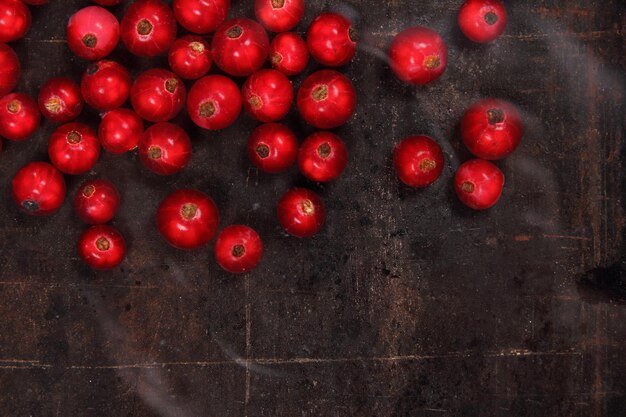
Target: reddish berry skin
[(60, 100), (19, 116), (326, 99), (148, 28), (190, 57), (201, 16), (301, 212), (107, 2), (214, 102), (482, 21), (15, 20), (9, 69), (105, 85), (187, 219), (479, 183), (102, 247), (289, 53), (331, 40), (279, 15), (158, 95), (96, 201), (38, 189), (322, 157), (240, 47), (238, 249), (273, 148), (267, 95), (92, 33), (492, 129), (74, 148), (418, 161), (120, 131), (165, 148), (418, 55)]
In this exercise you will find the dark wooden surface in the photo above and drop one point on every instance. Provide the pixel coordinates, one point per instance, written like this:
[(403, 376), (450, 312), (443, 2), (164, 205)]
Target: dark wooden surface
[(407, 304)]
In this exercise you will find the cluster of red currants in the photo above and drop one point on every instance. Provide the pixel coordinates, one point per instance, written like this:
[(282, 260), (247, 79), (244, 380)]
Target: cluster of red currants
[(492, 129), (187, 219)]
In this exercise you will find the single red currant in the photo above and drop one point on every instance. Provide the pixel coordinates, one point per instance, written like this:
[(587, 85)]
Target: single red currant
[(479, 184), (289, 53), (74, 148), (332, 40), (190, 57), (158, 95), (418, 161), (96, 201), (38, 189), (238, 249), (9, 69), (148, 28), (93, 33), (201, 16), (120, 131), (105, 85), (279, 15), (60, 100), (102, 247), (301, 212), (15, 20), (187, 219), (482, 20), (19, 116), (267, 95), (165, 148), (273, 147), (214, 102), (326, 99), (240, 47), (418, 55), (322, 157)]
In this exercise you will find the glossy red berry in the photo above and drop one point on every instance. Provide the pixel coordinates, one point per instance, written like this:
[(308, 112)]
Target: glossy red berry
[(482, 20), (108, 2), (301, 212), (60, 100), (238, 249), (326, 99), (15, 20), (214, 102), (92, 33), (105, 85), (332, 40), (240, 47), (201, 16), (187, 219), (418, 55), (165, 148), (74, 148), (9, 69), (148, 28), (479, 184), (267, 95), (418, 161), (322, 157), (38, 189), (492, 129), (96, 201), (19, 116), (190, 57), (120, 131), (279, 15), (158, 95), (273, 147), (102, 247), (289, 53)]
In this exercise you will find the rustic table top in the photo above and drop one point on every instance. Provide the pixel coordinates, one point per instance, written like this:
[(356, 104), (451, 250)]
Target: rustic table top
[(406, 304)]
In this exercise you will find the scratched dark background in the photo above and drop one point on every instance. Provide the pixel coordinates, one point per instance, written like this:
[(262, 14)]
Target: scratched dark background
[(406, 304)]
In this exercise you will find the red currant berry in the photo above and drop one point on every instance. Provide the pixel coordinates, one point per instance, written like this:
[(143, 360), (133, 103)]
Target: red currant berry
[(38, 189), (214, 102), (190, 57), (482, 20), (187, 219), (238, 249), (165, 148), (201, 16), (158, 95), (479, 184), (148, 28), (105, 85), (332, 40), (19, 116), (74, 148), (93, 33), (418, 161), (267, 95), (418, 55), (240, 47), (15, 20), (289, 53), (102, 247), (272, 147), (301, 212), (9, 69), (120, 131), (322, 157), (279, 15), (60, 100), (326, 99), (96, 201)]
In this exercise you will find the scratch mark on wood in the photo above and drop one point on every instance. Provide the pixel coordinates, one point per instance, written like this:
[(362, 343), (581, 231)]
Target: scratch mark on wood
[(566, 237)]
